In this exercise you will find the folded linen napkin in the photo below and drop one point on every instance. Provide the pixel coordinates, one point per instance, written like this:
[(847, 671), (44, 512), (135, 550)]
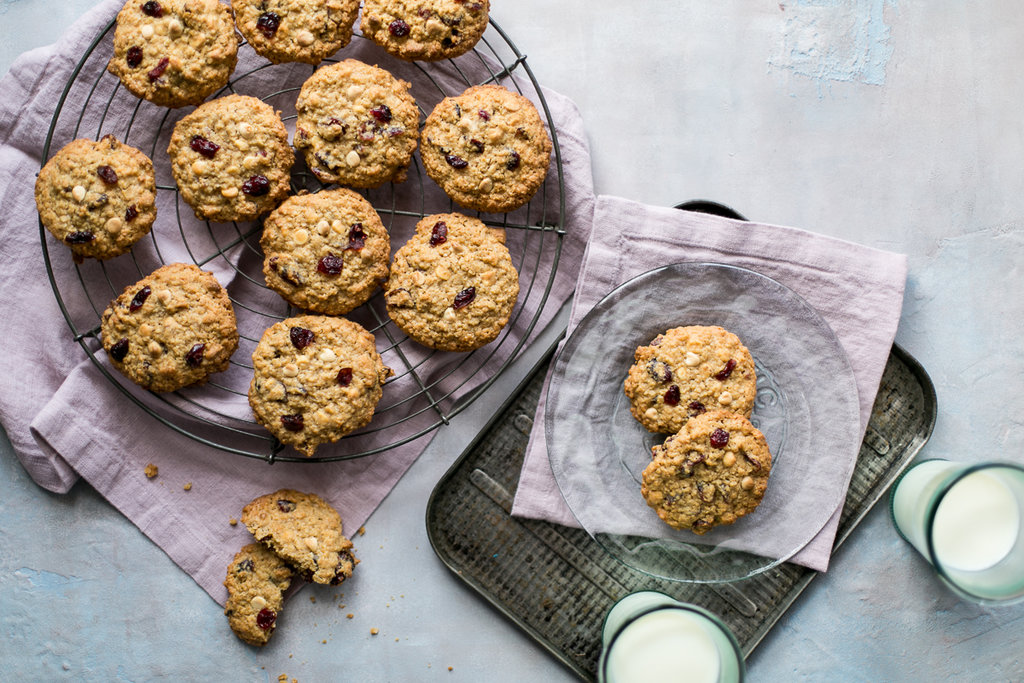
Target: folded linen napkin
[(856, 289), (65, 419)]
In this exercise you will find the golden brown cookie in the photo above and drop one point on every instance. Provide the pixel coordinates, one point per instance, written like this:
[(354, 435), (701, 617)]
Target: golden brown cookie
[(426, 30), (296, 30), (356, 125), (256, 582), (453, 285), (98, 198), (316, 378), (326, 252), (487, 148), (174, 52), (171, 329), (714, 471), (686, 371), (304, 530), (231, 159)]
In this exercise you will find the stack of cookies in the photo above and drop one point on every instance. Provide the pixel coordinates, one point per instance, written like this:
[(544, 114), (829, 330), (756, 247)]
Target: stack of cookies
[(698, 384)]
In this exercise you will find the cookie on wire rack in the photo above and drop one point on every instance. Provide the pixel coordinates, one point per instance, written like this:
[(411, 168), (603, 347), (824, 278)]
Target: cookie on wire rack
[(427, 30), (296, 30)]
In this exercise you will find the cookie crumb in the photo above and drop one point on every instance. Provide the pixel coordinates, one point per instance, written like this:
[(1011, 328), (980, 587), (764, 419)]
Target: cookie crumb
[(350, 616), (283, 678), (451, 668), (233, 521), (312, 599), (151, 470), (188, 486), (362, 531), (374, 631), (324, 641)]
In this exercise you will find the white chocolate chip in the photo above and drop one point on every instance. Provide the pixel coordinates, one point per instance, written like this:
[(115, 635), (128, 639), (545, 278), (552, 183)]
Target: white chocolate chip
[(290, 370), (114, 225), (300, 236), (200, 167), (323, 227), (146, 31), (251, 162), (258, 603), (229, 192), (747, 483), (327, 356), (338, 226), (725, 398), (145, 329), (311, 542), (449, 313), (486, 185), (175, 27), (154, 349), (244, 128), (354, 91), (78, 192), (304, 38), (352, 158), (511, 104), (728, 459), (692, 359), (163, 296), (651, 413)]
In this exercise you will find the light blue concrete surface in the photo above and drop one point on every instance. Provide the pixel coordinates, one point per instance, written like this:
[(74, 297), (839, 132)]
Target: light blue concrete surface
[(890, 123)]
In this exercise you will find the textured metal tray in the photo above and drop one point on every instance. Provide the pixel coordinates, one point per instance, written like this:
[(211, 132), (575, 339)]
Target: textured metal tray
[(557, 583)]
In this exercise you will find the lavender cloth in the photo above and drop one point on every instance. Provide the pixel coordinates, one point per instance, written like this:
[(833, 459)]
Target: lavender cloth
[(856, 289), (66, 420)]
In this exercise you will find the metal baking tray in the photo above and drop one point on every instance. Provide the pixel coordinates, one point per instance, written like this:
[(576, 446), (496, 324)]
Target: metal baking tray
[(556, 583)]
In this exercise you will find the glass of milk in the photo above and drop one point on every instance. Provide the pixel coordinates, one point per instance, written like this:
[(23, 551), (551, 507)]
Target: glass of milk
[(968, 522), (649, 636)]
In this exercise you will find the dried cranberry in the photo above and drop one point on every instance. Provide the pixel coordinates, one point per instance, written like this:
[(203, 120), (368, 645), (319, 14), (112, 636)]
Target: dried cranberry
[(477, 145), (107, 174), (356, 238), (671, 397), (726, 371), (345, 376), (245, 565), (398, 28), (659, 371), (139, 298), (152, 9), (158, 70), (203, 146), (301, 337), (455, 161), (285, 505), (719, 438), (513, 161), (134, 56), (256, 186), (484, 115), (439, 235), (330, 264), (119, 350), (268, 23), (131, 213), (80, 237), (464, 298), (381, 113), (696, 408), (265, 618), (194, 357), (293, 423)]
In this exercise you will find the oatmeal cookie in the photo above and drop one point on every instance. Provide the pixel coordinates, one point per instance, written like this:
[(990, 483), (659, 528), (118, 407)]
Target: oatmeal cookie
[(171, 329), (452, 285), (714, 471), (487, 148), (304, 530), (686, 371), (426, 30), (296, 30), (174, 52), (316, 378), (99, 198), (231, 159), (256, 582), (356, 125), (326, 252)]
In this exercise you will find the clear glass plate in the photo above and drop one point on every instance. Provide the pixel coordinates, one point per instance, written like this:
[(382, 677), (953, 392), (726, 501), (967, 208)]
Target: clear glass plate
[(806, 406)]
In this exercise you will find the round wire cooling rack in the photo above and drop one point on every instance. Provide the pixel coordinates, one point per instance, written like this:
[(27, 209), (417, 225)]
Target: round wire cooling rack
[(428, 387)]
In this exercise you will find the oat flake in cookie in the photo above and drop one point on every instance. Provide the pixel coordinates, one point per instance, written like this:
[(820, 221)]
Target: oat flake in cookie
[(256, 582), (231, 159), (426, 30), (486, 148), (326, 252), (687, 371), (296, 30), (453, 285), (357, 125), (316, 378), (98, 198), (714, 471), (174, 52), (171, 329), (304, 530)]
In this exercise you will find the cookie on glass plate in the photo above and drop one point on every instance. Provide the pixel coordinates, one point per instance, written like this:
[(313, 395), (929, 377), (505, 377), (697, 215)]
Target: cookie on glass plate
[(304, 530), (296, 30), (174, 52), (686, 371), (326, 252), (712, 472), (487, 148), (357, 125), (231, 159), (98, 198), (453, 285), (173, 328), (316, 378), (426, 30), (256, 582)]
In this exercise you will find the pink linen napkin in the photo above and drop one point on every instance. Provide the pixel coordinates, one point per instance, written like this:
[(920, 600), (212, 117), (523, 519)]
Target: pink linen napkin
[(856, 289), (65, 419)]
